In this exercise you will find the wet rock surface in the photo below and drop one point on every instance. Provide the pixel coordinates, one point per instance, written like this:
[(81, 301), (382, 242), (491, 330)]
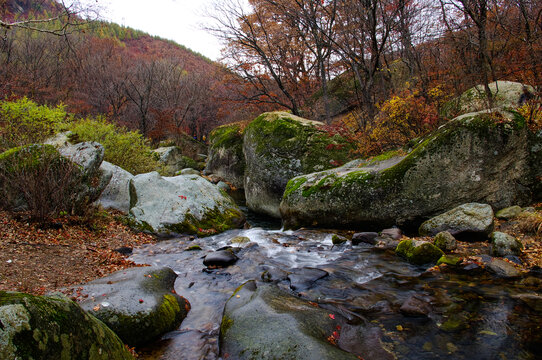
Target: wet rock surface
[(138, 304), (462, 311)]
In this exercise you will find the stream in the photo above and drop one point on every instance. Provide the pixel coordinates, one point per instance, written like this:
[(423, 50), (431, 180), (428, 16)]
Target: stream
[(472, 315)]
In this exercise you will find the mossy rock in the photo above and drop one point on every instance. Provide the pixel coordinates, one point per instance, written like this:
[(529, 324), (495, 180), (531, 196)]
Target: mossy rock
[(449, 260), (481, 157), (53, 327), (279, 146), (185, 204), (263, 322), (418, 252), (138, 304), (226, 158)]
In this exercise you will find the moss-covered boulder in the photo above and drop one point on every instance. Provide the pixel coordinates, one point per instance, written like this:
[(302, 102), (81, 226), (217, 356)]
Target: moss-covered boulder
[(418, 252), (138, 304), (505, 94), (186, 204), (279, 146), (477, 158), (226, 157), (53, 327), (266, 323)]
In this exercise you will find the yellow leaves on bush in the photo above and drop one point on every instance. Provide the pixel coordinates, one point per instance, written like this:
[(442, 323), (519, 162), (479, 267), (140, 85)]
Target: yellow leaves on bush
[(532, 112)]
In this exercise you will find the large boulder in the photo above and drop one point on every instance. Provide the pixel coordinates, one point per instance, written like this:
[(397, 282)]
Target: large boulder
[(116, 194), (173, 159), (265, 323), (506, 94), (226, 158), (138, 304), (279, 146), (186, 204), (466, 220), (482, 157), (53, 327)]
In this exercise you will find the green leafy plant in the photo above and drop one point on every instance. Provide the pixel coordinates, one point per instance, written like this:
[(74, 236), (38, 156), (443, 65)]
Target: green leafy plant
[(24, 122), (124, 148)]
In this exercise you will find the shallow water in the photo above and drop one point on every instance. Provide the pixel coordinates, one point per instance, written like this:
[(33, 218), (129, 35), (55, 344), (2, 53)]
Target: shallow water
[(472, 316)]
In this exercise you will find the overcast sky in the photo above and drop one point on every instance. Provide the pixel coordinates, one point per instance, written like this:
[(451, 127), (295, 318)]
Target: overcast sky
[(178, 20)]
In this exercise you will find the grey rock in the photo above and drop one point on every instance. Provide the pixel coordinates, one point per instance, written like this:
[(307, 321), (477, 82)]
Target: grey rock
[(53, 327), (445, 241), (509, 212), (189, 171), (469, 159), (266, 323), (220, 258), (116, 194), (181, 204), (465, 220), (503, 244), (304, 278), (88, 155), (173, 159), (393, 233), (502, 268), (59, 140), (364, 237), (364, 342), (138, 304)]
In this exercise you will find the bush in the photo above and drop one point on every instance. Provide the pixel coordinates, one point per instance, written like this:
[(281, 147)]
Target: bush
[(36, 178), (124, 148), (23, 122)]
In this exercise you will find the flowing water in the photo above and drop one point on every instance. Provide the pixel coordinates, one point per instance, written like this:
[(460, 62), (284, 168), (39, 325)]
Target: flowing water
[(472, 315)]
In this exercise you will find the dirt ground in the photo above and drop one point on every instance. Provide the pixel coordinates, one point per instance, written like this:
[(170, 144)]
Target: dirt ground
[(70, 252)]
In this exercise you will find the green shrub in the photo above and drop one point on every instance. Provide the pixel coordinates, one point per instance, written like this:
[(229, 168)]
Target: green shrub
[(24, 122), (124, 148), (36, 178)]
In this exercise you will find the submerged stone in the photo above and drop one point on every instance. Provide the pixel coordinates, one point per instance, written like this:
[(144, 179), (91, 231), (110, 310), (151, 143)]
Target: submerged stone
[(304, 279), (364, 237), (220, 258)]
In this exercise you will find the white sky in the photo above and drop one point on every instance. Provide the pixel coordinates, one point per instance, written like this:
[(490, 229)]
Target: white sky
[(177, 20)]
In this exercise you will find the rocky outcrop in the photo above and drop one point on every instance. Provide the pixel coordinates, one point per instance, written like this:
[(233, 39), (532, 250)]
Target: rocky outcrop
[(138, 304), (265, 323), (226, 159), (476, 158), (53, 327), (186, 204), (116, 194), (279, 146), (467, 220)]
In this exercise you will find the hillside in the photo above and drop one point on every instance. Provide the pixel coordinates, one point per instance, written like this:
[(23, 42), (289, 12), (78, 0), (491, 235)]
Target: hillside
[(147, 83)]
